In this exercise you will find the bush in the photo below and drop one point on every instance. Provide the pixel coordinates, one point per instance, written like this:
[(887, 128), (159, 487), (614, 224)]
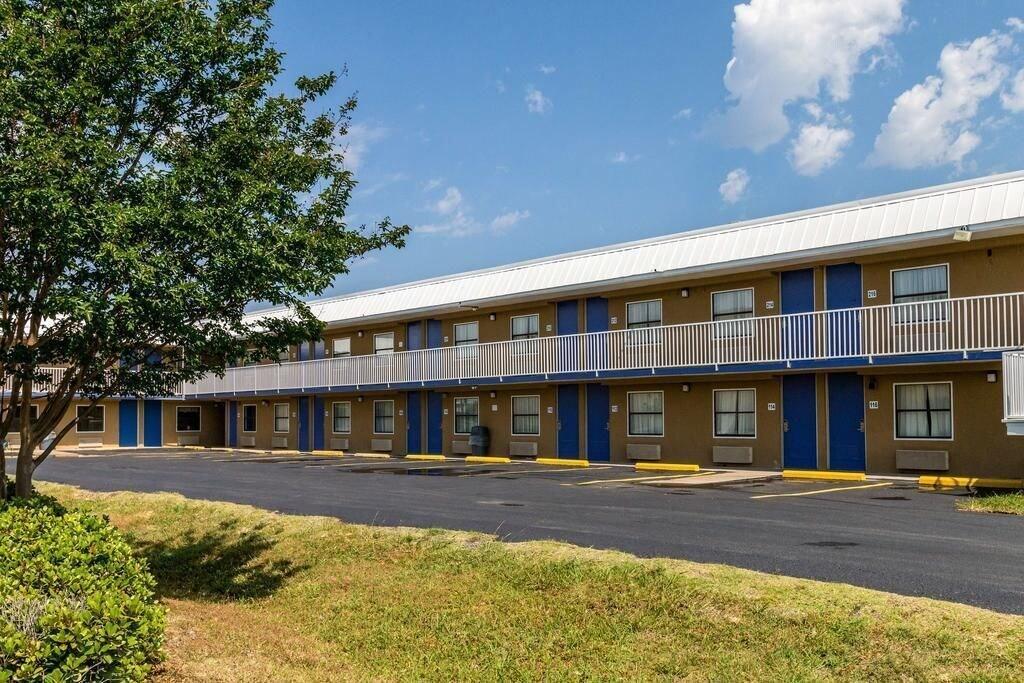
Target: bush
[(75, 603)]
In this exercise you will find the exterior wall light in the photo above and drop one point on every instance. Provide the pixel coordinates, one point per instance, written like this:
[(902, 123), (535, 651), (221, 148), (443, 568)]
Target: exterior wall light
[(684, 292), (685, 386), (991, 377)]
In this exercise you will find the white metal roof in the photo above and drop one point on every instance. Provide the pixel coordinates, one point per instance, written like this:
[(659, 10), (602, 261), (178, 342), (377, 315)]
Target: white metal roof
[(994, 203)]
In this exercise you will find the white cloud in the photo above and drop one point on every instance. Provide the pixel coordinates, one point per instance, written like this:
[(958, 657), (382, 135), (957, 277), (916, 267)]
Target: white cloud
[(458, 225), (499, 85), (818, 146), (785, 52), (357, 141), (546, 69), (734, 185), (449, 203), (623, 158), (432, 184), (1015, 24), (1013, 97), (505, 221), (931, 123), (682, 114), (536, 103)]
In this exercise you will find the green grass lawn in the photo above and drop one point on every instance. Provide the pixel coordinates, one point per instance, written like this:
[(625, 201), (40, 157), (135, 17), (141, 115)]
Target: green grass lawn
[(1008, 503), (254, 595)]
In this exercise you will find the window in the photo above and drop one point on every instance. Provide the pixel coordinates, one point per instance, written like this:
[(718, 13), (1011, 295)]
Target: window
[(383, 417), (249, 417), (33, 415), (284, 356), (341, 414), (90, 419), (729, 308), (467, 414), (249, 359), (468, 335), (643, 314), (920, 285), (188, 419), (340, 348), (526, 415), (281, 414), (735, 413), (525, 327), (384, 342), (924, 411), (646, 416)]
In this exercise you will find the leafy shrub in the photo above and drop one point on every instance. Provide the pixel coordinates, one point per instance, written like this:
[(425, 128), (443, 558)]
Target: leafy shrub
[(75, 603)]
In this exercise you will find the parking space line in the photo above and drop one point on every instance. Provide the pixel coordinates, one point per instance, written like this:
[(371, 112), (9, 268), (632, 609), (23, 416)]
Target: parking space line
[(814, 493), (545, 470), (676, 475)]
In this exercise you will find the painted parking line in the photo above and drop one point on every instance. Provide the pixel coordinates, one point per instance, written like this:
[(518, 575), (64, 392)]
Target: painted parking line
[(676, 475), (545, 470), (814, 493)]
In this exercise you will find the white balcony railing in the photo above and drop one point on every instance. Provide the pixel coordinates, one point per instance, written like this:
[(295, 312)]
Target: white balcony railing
[(1013, 386), (55, 375), (983, 323)]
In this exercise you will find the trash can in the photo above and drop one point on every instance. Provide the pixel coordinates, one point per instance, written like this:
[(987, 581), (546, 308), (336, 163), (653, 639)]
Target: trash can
[(479, 440)]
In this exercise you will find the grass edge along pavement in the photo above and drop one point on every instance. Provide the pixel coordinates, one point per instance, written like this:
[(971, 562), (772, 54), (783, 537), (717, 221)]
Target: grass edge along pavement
[(254, 595)]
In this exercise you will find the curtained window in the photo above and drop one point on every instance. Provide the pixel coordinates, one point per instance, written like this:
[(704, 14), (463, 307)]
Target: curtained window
[(924, 411), (384, 417), (735, 413), (646, 414), (341, 414), (467, 414), (526, 415)]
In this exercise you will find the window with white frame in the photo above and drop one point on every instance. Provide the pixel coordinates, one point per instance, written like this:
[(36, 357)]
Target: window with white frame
[(341, 417), (468, 336), (924, 411), (282, 415), (33, 415), (735, 413), (646, 413), (467, 414), (643, 314), (384, 342), (284, 356), (383, 417), (925, 290), (730, 309), (187, 419), (525, 327), (249, 417), (526, 415), (341, 347), (90, 420)]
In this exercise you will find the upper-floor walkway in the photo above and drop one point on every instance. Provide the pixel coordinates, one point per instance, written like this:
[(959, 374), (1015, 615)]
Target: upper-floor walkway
[(978, 327)]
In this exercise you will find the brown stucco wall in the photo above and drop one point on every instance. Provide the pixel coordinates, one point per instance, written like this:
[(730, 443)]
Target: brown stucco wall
[(211, 422), (110, 424), (689, 430), (499, 421), (362, 422), (500, 329), (980, 445)]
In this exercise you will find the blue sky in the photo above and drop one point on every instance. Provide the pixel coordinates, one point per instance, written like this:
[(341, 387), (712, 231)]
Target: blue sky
[(508, 131)]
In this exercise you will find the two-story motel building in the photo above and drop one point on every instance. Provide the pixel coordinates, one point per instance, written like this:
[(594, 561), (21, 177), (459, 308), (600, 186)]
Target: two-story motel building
[(866, 336)]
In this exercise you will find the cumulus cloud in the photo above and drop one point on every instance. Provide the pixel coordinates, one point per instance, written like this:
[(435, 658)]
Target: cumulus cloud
[(785, 52), (503, 222), (450, 202), (931, 123), (536, 102), (684, 113), (623, 158), (1013, 97), (1015, 24), (734, 185), (357, 141), (818, 146), (546, 69)]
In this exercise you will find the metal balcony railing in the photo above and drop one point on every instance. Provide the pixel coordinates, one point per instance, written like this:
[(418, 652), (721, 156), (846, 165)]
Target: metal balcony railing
[(1013, 386), (982, 323), (42, 387)]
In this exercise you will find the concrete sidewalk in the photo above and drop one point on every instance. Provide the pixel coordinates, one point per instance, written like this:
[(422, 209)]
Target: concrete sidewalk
[(716, 478)]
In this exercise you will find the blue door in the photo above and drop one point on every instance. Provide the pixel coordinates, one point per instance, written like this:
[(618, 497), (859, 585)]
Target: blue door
[(597, 314), (319, 417), (846, 421), (798, 297), (233, 424), (304, 423), (799, 422), (414, 336), (433, 334), (598, 441), (568, 317), (568, 421), (415, 425), (128, 423), (152, 423), (435, 432), (842, 291)]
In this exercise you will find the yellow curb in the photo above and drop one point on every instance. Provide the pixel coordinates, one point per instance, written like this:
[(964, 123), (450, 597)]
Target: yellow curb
[(665, 467), (424, 456), (564, 462), (336, 453), (487, 458), (979, 482), (826, 475)]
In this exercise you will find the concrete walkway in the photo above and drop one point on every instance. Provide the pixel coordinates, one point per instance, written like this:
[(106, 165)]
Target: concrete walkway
[(716, 478)]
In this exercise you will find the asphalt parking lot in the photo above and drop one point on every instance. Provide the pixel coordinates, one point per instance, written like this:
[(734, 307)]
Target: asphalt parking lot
[(887, 535)]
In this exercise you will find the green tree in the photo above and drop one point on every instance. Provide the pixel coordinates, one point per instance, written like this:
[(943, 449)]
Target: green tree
[(153, 183)]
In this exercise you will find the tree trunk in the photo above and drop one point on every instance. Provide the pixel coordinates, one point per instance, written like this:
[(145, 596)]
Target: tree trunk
[(3, 472), (26, 467)]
